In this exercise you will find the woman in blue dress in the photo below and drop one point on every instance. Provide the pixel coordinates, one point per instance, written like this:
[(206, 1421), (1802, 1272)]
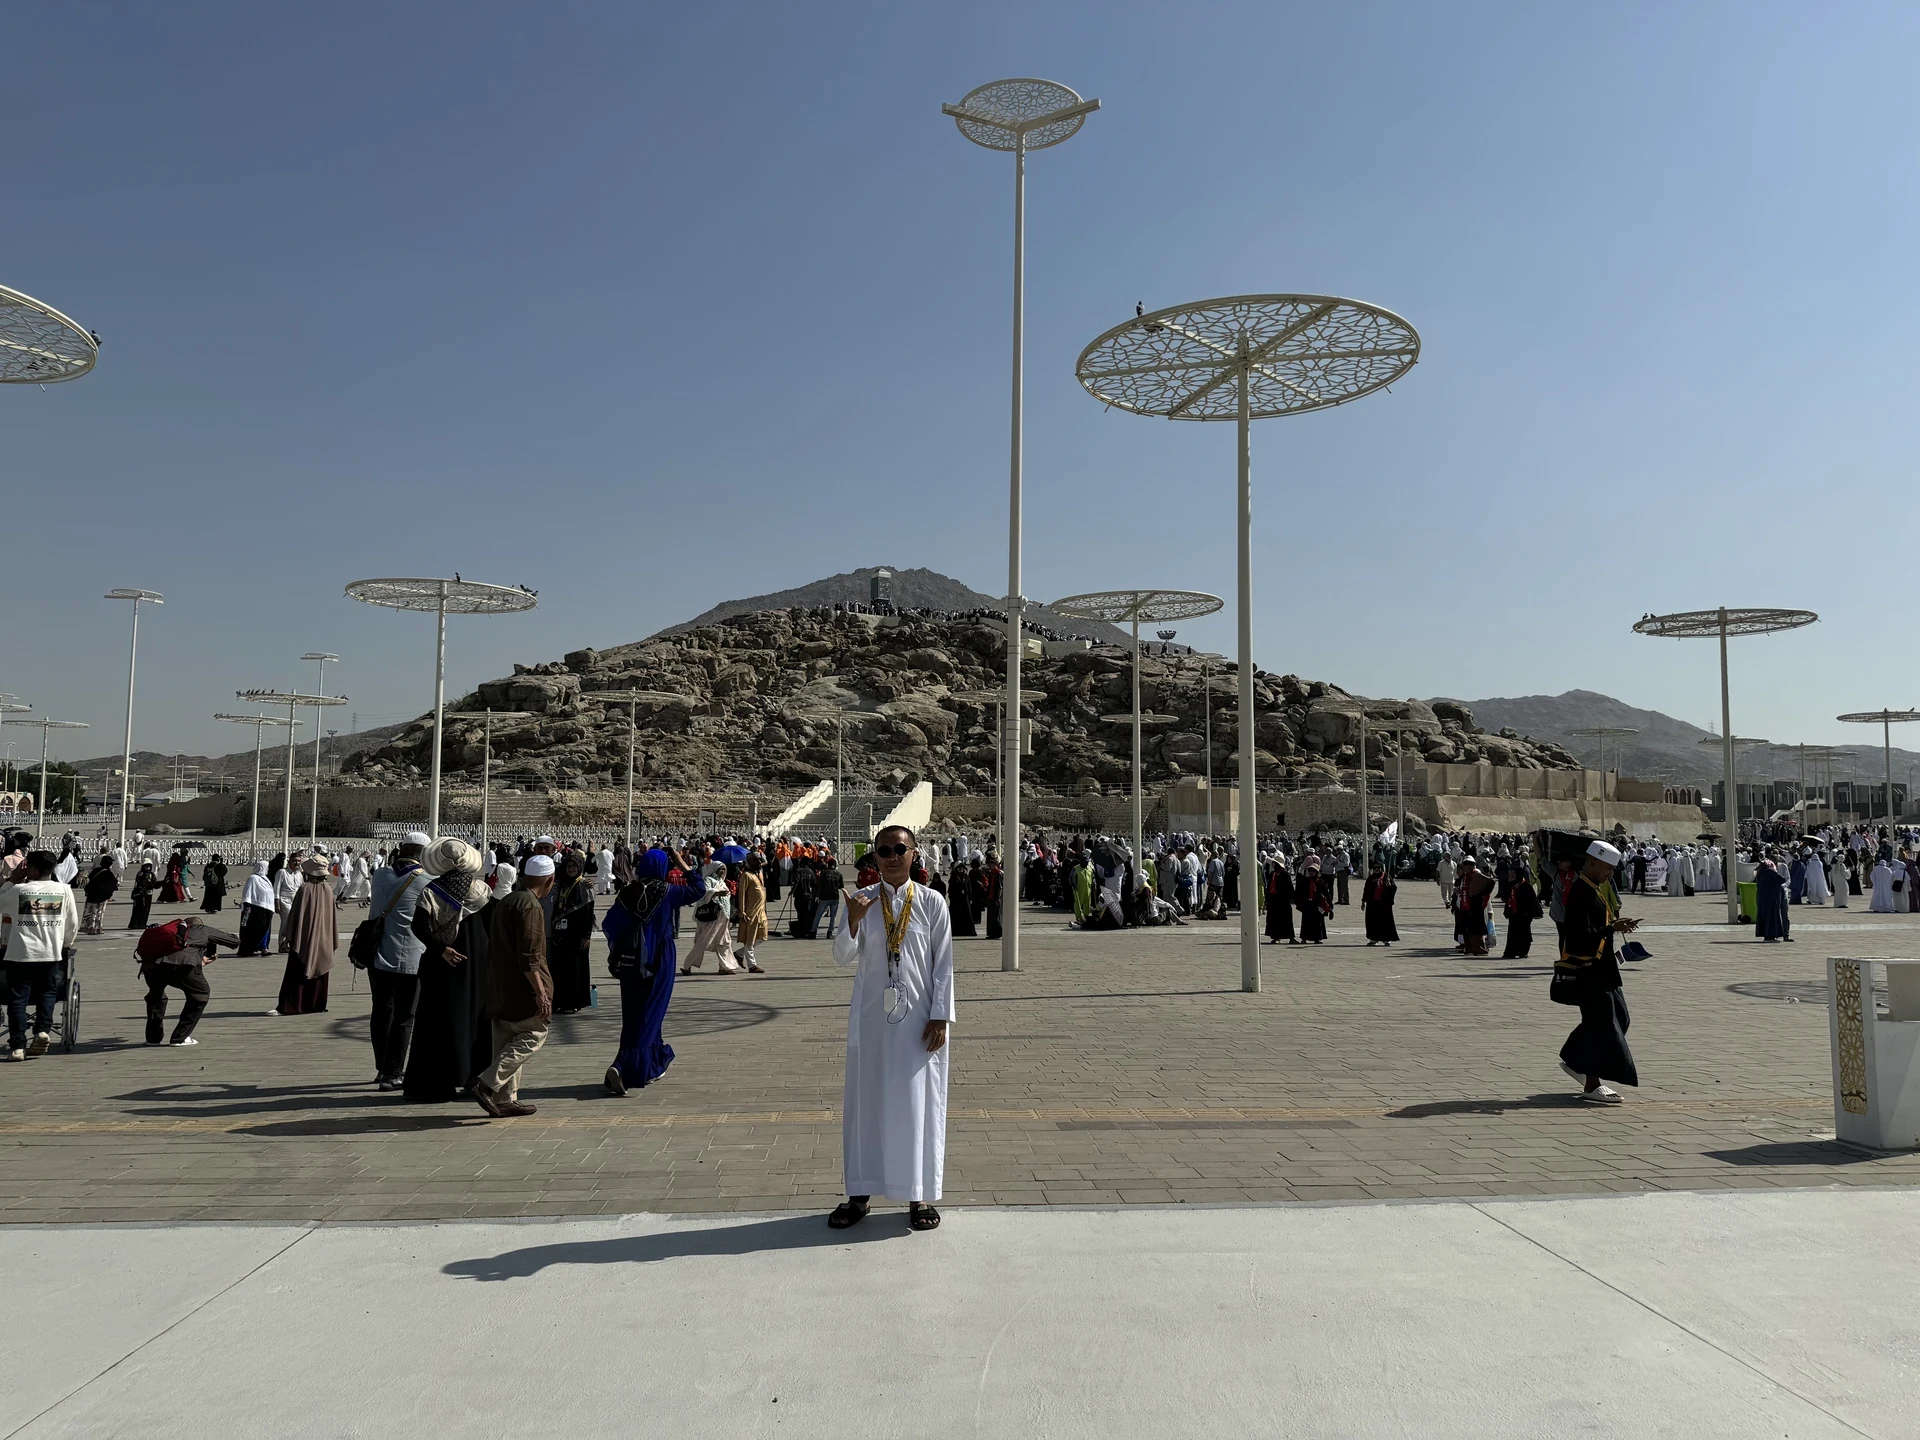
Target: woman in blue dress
[(640, 954)]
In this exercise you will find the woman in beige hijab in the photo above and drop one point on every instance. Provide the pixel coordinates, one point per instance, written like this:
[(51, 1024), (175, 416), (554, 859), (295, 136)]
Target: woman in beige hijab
[(311, 936)]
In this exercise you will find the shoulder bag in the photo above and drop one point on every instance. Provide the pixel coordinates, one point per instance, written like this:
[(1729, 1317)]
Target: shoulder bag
[(364, 948)]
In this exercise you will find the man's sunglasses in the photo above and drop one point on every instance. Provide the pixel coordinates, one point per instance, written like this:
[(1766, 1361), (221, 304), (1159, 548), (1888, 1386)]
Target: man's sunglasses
[(888, 851)]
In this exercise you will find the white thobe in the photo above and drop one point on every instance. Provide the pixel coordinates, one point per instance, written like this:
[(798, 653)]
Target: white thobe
[(1816, 881), (1882, 903), (285, 887), (893, 1126), (1837, 878), (605, 877)]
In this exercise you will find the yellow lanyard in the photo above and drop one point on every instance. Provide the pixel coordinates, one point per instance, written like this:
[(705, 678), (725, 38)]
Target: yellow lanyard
[(896, 929)]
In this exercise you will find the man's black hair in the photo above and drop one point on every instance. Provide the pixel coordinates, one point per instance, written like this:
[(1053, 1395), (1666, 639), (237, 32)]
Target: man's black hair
[(40, 863), (906, 830)]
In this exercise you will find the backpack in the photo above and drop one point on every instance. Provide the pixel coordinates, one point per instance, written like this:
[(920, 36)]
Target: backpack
[(159, 941)]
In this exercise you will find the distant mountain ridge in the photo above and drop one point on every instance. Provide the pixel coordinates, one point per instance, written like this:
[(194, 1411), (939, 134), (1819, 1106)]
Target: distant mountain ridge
[(913, 589), (1666, 749)]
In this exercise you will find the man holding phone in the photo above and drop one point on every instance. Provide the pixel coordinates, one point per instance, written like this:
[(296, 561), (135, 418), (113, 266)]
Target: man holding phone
[(1597, 1050), (899, 937)]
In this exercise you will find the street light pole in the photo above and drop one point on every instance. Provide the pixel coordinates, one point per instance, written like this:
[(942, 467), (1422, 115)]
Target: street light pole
[(133, 656), (313, 816), (1016, 115)]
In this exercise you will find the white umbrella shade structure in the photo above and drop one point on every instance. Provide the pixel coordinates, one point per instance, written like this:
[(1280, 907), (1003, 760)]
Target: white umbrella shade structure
[(1724, 624), (1886, 720), (40, 813), (294, 701), (39, 345), (1015, 116), (1244, 358), (443, 598), (260, 724), (1133, 606)]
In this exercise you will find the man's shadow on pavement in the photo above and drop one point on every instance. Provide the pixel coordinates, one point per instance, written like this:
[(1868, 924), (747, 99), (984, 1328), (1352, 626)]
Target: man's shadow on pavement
[(789, 1232)]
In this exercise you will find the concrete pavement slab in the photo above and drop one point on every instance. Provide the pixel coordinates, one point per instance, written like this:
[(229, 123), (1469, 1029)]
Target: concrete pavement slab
[(1438, 1319)]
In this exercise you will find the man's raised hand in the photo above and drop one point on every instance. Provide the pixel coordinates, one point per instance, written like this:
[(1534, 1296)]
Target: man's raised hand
[(857, 907)]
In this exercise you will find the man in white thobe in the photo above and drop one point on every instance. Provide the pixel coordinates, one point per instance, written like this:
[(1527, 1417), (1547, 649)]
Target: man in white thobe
[(1882, 878), (894, 1121), (604, 871)]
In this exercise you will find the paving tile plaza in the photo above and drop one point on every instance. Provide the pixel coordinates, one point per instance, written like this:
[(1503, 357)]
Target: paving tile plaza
[(1114, 1069)]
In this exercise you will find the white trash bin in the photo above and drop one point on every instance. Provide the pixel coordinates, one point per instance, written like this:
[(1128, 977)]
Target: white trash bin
[(1876, 1059)]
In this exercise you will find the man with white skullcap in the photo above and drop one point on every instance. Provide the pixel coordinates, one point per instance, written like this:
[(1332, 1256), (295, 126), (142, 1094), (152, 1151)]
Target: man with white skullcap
[(519, 989), (1588, 975)]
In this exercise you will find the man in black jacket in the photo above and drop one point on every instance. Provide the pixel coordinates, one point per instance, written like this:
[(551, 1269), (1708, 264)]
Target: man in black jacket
[(1588, 975)]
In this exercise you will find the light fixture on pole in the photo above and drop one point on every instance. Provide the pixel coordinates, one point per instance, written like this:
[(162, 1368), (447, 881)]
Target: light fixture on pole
[(486, 763), (1602, 733), (633, 700), (1723, 624), (1017, 115), (444, 598), (293, 700), (320, 688), (1244, 358), (260, 724), (1131, 607), (133, 656), (1886, 720), (39, 814), (39, 345)]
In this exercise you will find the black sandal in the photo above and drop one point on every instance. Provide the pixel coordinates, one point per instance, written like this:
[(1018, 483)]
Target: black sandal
[(922, 1217), (848, 1213)]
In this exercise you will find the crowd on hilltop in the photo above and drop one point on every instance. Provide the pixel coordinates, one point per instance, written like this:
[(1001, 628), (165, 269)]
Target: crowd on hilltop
[(984, 614)]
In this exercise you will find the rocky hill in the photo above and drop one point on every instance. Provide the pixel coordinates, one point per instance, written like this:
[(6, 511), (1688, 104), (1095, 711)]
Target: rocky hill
[(749, 702), (1667, 749)]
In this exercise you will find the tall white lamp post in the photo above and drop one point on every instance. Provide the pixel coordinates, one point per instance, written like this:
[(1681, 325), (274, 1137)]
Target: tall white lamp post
[(260, 724), (1885, 719), (1133, 606), (1244, 358), (444, 598), (133, 656), (320, 688), (1017, 115), (486, 766), (1603, 733), (294, 701), (633, 700), (40, 814), (1722, 624)]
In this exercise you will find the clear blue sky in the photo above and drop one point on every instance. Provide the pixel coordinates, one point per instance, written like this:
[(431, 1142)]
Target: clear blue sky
[(647, 307)]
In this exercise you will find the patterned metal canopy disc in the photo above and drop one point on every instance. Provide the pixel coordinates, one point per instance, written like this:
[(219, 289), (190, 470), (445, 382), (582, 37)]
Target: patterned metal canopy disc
[(1880, 717), (1300, 352), (462, 597), (1125, 717), (1003, 105), (1145, 605), (1705, 624), (1717, 741), (288, 697), (39, 345)]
